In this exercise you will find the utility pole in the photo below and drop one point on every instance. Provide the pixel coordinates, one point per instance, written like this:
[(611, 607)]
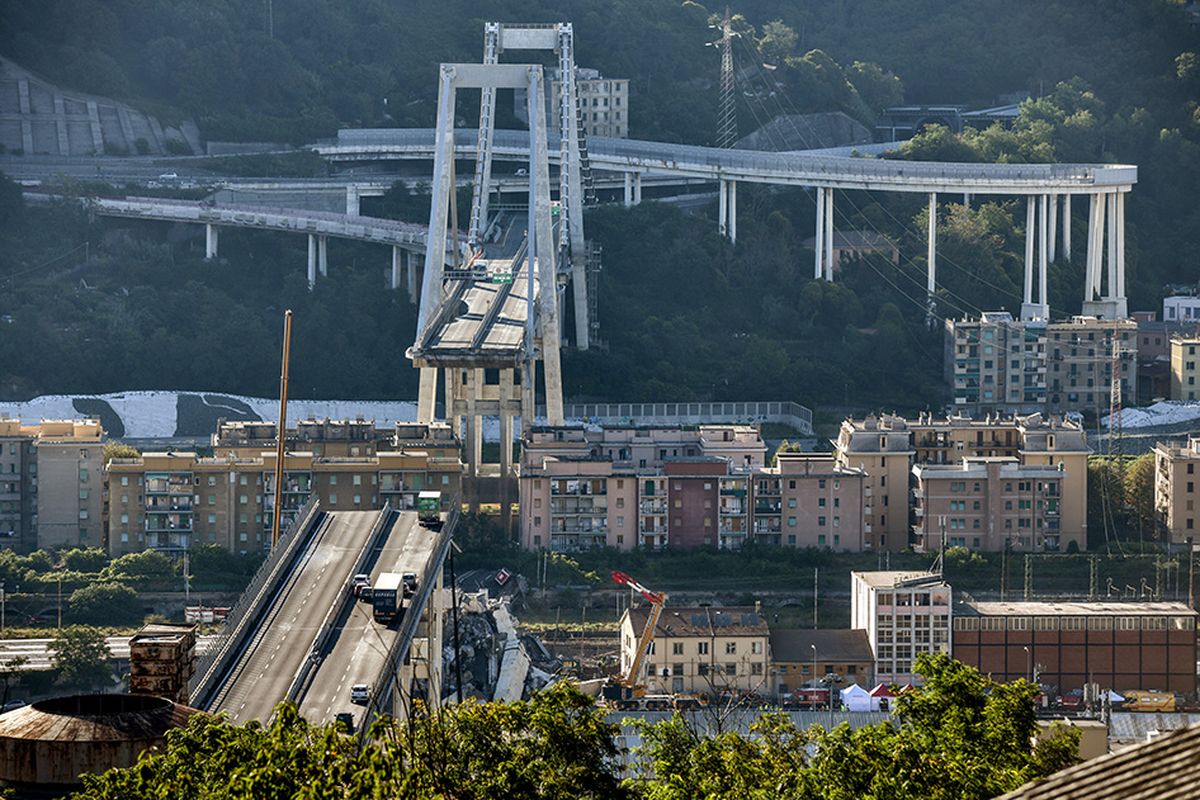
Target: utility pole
[(1191, 575), (281, 430), (1093, 578), (816, 571), (60, 601), (187, 577), (1028, 577)]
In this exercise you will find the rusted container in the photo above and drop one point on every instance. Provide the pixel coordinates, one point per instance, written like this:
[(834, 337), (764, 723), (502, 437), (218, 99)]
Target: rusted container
[(50, 743)]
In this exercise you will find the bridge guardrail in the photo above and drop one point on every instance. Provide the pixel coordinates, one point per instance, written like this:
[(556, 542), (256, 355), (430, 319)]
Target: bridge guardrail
[(210, 666), (785, 411), (408, 628), (320, 642)]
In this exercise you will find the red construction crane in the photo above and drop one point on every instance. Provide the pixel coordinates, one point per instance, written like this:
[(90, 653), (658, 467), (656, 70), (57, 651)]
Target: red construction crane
[(657, 601)]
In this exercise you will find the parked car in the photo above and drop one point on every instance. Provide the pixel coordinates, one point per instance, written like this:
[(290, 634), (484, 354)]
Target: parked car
[(346, 720), (360, 693)]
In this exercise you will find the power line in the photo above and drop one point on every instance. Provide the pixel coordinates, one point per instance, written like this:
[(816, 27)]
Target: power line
[(59, 257)]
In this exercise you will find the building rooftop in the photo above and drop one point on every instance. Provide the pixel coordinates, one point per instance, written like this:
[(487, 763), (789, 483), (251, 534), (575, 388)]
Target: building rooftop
[(703, 621), (796, 644), (1066, 608), (1165, 768), (895, 578)]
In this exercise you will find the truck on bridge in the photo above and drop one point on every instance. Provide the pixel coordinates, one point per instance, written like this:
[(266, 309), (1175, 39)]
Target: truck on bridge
[(429, 508), (387, 598)]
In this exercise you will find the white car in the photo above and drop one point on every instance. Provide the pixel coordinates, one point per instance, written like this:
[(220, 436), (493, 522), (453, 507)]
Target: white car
[(360, 693), (168, 176)]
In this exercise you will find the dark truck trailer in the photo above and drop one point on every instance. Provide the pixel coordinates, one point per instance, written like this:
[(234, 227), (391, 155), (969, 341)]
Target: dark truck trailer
[(387, 597)]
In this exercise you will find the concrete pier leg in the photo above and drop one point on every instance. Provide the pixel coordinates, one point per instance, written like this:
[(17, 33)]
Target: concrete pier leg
[(1110, 201), (211, 235), (1089, 281), (352, 201), (323, 255), (396, 268), (1066, 227), (1030, 221), (1043, 249), (312, 262), (1120, 215), (427, 395), (1052, 228), (819, 244), (637, 188), (722, 207), (628, 189), (473, 443), (506, 424), (829, 234), (931, 257), (411, 276), (528, 394), (733, 211)]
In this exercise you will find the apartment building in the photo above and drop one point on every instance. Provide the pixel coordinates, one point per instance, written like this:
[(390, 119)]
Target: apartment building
[(1176, 476), (1181, 308), (702, 650), (1118, 645), (998, 364), (51, 484), (808, 500), (1184, 373), (172, 501), (903, 614), (584, 487), (603, 103), (881, 446), (990, 503), (18, 484)]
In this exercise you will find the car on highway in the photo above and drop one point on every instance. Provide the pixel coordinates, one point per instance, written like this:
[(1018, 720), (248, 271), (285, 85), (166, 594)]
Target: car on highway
[(168, 176), (358, 583), (360, 693), (346, 720)]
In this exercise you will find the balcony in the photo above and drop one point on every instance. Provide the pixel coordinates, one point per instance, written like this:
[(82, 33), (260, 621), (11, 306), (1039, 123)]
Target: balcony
[(767, 507), (160, 523), (164, 504), (653, 507)]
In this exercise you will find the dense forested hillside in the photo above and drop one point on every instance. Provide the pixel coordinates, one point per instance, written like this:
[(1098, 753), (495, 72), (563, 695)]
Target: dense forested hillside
[(684, 313)]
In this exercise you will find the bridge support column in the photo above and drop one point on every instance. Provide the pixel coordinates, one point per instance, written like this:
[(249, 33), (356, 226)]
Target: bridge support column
[(323, 255), (733, 211), (427, 395), (352, 204), (967, 199), (1043, 253), (931, 258), (1066, 227), (628, 189), (211, 234), (528, 397), (312, 262), (637, 188), (1052, 228), (506, 425), (819, 242), (1036, 240), (829, 234), (411, 277), (1119, 292), (396, 268), (474, 439), (722, 207)]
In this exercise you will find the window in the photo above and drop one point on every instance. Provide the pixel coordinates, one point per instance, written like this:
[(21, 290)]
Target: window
[(731, 648), (702, 648), (676, 648), (332, 498), (791, 522), (124, 480), (333, 480), (731, 668), (756, 648), (821, 521), (83, 474)]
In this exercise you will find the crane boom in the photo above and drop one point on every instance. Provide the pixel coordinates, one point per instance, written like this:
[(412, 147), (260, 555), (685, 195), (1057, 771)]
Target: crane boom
[(657, 601)]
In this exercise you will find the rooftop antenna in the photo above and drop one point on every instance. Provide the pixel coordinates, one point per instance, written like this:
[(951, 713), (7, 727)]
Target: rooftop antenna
[(726, 115)]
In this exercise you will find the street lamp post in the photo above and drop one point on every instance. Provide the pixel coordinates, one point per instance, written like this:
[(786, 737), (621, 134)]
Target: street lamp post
[(2, 598), (829, 680), (1029, 661), (814, 672)]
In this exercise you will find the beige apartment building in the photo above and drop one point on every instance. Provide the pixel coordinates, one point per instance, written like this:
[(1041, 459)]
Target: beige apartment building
[(1176, 476), (904, 614), (999, 364), (802, 656), (583, 487), (603, 103), (51, 484), (882, 448), (881, 445), (990, 503), (702, 650), (171, 501), (808, 500), (1184, 374)]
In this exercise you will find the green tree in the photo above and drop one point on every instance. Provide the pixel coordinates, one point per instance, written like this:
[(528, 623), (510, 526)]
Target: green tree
[(1139, 494), (105, 604), (118, 449), (142, 565), (81, 655), (10, 673), (84, 559), (777, 43)]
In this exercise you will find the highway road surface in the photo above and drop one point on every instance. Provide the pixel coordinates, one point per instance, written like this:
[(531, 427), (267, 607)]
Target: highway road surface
[(266, 670), (362, 644)]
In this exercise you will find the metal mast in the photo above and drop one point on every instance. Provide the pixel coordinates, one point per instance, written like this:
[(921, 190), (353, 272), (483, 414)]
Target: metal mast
[(726, 117)]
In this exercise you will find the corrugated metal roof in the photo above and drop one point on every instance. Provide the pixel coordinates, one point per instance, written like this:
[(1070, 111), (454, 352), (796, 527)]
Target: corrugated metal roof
[(1166, 768), (1134, 726)]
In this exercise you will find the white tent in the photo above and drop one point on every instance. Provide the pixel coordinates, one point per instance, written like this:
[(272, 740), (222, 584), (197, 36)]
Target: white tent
[(1113, 697), (856, 698)]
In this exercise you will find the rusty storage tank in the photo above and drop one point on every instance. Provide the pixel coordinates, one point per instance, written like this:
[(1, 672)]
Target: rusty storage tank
[(47, 745)]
